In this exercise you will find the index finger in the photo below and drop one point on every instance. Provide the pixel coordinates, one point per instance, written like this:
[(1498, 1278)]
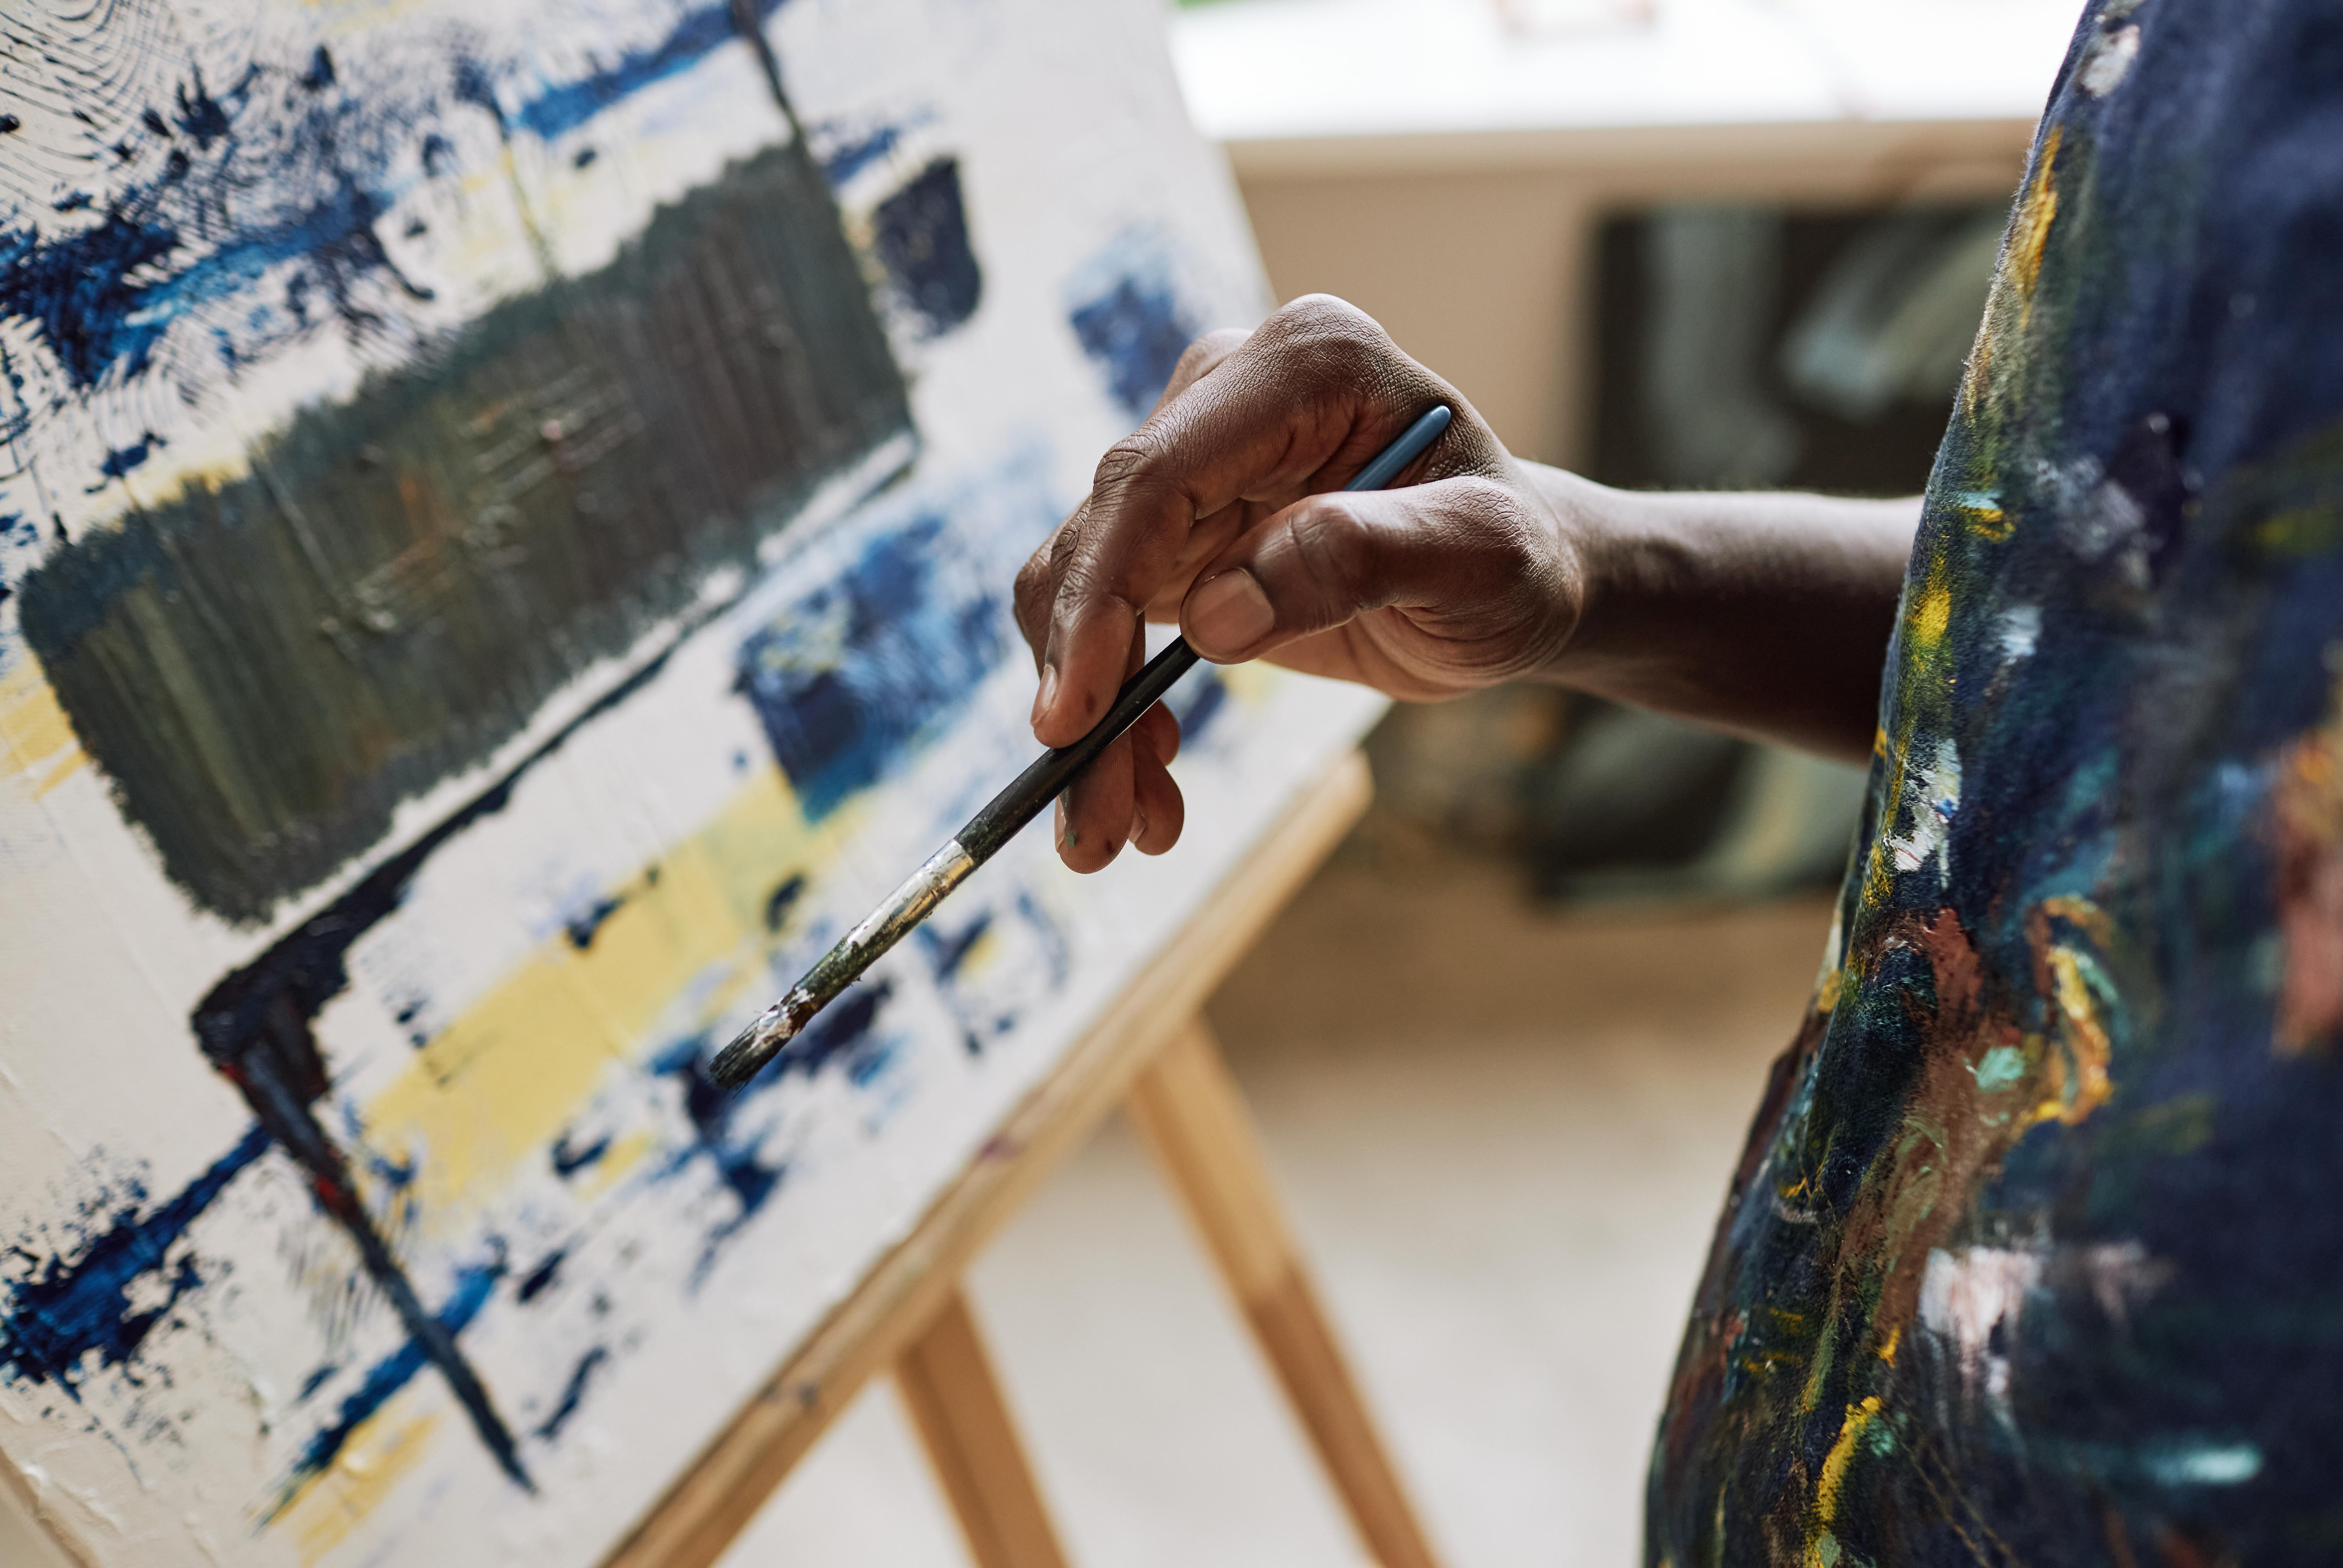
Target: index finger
[(1299, 406)]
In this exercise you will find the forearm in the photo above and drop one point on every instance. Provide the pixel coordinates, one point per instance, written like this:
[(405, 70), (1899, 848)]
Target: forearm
[(1767, 614)]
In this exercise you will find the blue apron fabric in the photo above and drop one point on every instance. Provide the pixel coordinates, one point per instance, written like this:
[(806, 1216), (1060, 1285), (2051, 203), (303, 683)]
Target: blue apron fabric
[(2035, 1252)]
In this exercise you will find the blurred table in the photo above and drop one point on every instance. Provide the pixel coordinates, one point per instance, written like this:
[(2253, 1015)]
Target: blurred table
[(1444, 170)]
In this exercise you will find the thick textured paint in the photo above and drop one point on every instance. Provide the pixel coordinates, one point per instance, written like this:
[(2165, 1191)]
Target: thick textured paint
[(70, 1315), (250, 207), (2031, 1257), (472, 1290), (921, 236), (558, 110), (268, 668), (863, 666)]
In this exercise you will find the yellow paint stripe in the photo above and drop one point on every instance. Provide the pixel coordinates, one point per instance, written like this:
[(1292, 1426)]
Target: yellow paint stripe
[(379, 1454), (35, 736), (507, 1075)]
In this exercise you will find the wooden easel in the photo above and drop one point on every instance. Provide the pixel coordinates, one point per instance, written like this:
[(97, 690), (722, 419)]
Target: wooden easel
[(1152, 1054)]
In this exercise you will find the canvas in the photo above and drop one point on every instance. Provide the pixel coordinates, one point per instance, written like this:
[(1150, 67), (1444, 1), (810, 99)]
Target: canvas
[(504, 543)]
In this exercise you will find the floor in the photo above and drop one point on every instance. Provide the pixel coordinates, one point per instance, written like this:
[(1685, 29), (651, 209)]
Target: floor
[(1502, 1133)]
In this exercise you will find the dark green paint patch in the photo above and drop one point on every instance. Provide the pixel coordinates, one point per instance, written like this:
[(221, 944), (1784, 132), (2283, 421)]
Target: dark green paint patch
[(266, 670)]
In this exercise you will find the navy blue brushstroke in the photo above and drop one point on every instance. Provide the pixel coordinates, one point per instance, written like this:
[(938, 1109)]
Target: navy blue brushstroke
[(843, 162), (285, 178), (921, 234), (68, 1313), (541, 1277), (838, 718), (121, 460), (784, 899), (696, 32), (1135, 329), (842, 1034), (551, 1426), (283, 175), (947, 953), (474, 1286), (567, 1160), (581, 928)]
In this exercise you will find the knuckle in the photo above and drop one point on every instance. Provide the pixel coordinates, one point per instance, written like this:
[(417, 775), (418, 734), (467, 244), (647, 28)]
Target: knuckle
[(1125, 463), (1325, 339), (1334, 550), (1029, 594)]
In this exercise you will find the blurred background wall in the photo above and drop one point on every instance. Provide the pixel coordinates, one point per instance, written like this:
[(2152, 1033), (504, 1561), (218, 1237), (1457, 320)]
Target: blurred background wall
[(1504, 1047)]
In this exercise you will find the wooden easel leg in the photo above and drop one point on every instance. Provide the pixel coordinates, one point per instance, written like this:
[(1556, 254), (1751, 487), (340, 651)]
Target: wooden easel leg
[(1189, 1112), (946, 1381)]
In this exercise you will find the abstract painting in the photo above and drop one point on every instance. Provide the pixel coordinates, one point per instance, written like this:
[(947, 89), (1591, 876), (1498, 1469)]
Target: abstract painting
[(506, 523)]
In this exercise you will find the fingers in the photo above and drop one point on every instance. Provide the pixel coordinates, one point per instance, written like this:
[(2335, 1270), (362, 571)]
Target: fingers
[(1127, 795), (1302, 404), (1094, 814), (1200, 359), (1160, 811), (1466, 561), (1037, 585)]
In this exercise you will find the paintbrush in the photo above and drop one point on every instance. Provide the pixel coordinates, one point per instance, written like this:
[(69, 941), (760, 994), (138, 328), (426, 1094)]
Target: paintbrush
[(999, 823)]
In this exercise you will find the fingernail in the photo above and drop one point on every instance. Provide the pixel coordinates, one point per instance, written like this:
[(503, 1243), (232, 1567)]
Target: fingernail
[(1042, 699), (1065, 826), (1230, 613), (1138, 825)]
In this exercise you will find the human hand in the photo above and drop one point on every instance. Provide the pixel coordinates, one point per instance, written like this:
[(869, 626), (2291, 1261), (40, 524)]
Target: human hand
[(1223, 512)]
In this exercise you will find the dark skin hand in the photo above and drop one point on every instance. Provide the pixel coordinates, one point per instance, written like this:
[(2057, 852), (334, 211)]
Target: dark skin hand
[(1767, 615)]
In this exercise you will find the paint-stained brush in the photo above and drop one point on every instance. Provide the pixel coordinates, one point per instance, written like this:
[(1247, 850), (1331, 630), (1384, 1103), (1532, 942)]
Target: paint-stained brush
[(999, 823)]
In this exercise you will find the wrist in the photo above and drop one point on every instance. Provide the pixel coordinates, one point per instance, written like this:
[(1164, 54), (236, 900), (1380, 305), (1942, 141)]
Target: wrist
[(1586, 523)]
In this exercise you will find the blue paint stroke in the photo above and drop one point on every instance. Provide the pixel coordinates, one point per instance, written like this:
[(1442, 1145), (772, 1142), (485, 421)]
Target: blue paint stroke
[(947, 953), (121, 460), (854, 675), (285, 178), (573, 1394), (784, 898), (541, 1278), (581, 927), (252, 210), (71, 1315), (474, 1286), (921, 236), (1128, 319), (697, 32), (567, 1160), (844, 1034), (844, 155)]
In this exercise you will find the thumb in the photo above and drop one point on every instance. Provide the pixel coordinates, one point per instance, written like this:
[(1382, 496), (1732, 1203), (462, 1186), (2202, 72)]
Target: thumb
[(1458, 549)]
